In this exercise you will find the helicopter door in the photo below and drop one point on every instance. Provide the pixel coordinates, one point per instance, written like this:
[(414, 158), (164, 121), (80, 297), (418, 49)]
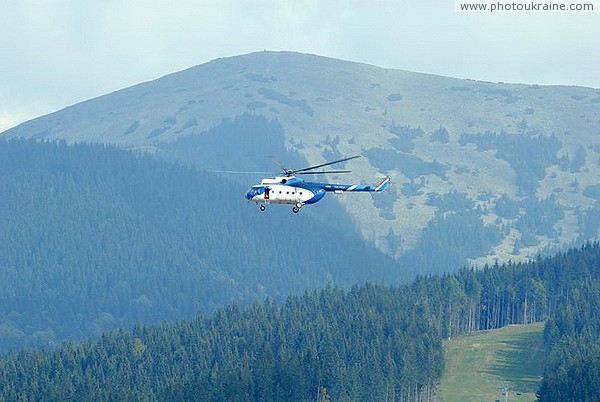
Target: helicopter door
[(267, 193)]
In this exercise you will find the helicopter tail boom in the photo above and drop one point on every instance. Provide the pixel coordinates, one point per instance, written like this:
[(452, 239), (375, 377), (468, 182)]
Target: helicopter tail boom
[(340, 188)]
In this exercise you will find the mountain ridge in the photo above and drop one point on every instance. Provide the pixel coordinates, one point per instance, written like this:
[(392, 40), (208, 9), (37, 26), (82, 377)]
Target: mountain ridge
[(434, 135)]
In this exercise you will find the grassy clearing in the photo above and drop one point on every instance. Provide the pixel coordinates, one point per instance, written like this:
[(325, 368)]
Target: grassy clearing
[(479, 365)]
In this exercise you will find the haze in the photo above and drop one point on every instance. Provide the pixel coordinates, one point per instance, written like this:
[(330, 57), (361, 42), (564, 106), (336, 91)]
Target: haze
[(57, 53)]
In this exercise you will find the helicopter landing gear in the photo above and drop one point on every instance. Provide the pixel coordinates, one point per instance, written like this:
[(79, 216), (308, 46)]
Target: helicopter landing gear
[(262, 208), (296, 208)]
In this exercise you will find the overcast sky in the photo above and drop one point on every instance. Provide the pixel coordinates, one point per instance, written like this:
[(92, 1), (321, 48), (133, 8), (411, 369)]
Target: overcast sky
[(56, 53)]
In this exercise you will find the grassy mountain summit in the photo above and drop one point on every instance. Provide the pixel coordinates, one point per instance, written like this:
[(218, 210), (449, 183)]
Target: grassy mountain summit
[(481, 170)]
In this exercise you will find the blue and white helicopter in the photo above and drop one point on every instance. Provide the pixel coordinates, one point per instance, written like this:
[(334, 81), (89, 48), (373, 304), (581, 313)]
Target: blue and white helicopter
[(290, 189)]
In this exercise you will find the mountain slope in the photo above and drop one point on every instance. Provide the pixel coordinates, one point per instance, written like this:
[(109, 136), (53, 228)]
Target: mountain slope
[(519, 163), (94, 238), (371, 342)]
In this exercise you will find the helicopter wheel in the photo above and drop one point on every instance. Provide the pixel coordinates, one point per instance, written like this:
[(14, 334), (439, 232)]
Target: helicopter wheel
[(296, 209), (262, 208)]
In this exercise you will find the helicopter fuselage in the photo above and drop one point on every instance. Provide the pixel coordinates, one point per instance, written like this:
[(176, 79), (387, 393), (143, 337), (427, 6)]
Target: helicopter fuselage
[(297, 192), (285, 190)]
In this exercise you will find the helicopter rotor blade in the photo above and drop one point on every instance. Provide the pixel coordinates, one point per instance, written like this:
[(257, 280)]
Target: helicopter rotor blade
[(283, 168), (237, 172), (328, 172), (326, 164)]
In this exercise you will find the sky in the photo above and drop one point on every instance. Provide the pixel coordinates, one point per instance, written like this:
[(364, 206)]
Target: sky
[(55, 53)]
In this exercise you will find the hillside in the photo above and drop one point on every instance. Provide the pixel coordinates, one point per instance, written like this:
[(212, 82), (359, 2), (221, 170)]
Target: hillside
[(94, 238), (478, 366), (509, 169), (369, 342)]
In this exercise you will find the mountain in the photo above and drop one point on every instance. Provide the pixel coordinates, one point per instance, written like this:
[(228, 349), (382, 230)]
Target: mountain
[(481, 171), (94, 238)]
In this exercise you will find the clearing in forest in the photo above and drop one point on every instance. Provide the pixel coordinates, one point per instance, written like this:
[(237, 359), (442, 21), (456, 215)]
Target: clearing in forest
[(479, 365)]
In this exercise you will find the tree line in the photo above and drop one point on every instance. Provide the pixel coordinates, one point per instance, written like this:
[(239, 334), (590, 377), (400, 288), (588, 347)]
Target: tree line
[(370, 342)]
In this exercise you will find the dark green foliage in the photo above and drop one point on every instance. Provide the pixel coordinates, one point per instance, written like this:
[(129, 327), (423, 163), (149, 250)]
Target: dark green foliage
[(94, 238), (385, 203), (575, 163), (541, 216), (404, 136), (240, 144), (156, 132), (578, 160), (410, 165), (369, 343), (589, 221), (331, 151), (412, 189), (592, 191), (534, 217), (286, 100), (452, 201), (458, 88), (392, 241), (515, 149), (134, 126), (506, 207), (255, 105), (572, 336), (505, 94), (450, 238), (362, 344), (440, 135)]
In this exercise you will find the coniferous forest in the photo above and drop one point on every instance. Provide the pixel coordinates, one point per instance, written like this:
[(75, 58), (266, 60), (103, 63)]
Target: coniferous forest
[(371, 342), (93, 239)]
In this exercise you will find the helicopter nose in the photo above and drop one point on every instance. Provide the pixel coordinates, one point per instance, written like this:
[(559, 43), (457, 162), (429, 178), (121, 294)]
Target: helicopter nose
[(248, 195)]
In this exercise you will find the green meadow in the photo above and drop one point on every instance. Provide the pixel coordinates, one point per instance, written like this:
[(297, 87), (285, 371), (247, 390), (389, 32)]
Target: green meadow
[(478, 366)]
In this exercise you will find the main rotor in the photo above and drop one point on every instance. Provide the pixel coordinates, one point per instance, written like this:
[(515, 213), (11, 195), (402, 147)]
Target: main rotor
[(291, 172)]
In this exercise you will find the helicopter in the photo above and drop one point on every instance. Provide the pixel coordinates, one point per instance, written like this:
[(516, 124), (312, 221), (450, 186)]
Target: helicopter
[(291, 189)]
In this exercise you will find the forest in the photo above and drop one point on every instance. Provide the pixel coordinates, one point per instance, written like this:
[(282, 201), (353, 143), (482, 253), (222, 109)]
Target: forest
[(516, 150), (127, 277), (93, 238), (369, 342)]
